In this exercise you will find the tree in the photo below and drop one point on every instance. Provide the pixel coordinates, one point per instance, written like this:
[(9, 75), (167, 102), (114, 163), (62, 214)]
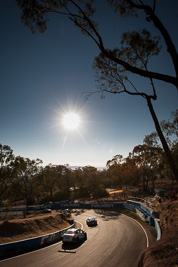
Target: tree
[(140, 157), (113, 66), (170, 129), (53, 183), (66, 182), (117, 159), (131, 172), (6, 159), (123, 171), (50, 178), (25, 174), (148, 160), (137, 48)]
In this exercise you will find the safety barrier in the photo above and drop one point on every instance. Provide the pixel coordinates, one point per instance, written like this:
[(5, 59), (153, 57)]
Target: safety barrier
[(146, 214), (34, 243), (14, 248), (158, 230)]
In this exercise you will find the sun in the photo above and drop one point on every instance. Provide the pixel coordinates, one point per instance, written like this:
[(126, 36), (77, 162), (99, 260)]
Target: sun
[(71, 121)]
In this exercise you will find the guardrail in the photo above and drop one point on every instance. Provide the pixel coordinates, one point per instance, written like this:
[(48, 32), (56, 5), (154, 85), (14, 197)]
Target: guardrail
[(144, 200), (22, 246), (30, 244), (145, 213), (158, 230)]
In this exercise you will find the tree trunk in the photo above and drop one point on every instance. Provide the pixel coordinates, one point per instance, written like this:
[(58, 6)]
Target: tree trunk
[(153, 183), (167, 151), (144, 186)]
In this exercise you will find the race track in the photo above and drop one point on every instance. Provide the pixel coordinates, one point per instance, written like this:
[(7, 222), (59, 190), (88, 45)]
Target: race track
[(116, 241)]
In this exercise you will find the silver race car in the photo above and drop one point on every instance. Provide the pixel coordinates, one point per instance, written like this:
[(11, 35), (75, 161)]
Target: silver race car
[(74, 235)]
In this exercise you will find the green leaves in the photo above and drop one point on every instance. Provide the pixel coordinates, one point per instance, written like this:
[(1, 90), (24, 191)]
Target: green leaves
[(123, 8), (6, 155), (35, 13), (138, 47), (109, 75)]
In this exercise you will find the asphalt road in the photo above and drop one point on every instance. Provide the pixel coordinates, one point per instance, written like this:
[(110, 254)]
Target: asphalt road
[(116, 241)]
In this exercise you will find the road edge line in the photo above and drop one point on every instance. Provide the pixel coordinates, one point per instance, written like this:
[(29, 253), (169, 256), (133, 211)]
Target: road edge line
[(147, 241)]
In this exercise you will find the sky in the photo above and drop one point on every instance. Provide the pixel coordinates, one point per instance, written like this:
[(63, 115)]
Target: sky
[(45, 76)]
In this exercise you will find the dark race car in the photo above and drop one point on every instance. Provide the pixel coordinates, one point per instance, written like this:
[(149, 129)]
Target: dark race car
[(91, 221)]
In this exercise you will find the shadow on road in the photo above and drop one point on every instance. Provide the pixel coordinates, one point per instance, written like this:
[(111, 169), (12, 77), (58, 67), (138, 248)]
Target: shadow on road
[(107, 215), (92, 226), (77, 212), (70, 248)]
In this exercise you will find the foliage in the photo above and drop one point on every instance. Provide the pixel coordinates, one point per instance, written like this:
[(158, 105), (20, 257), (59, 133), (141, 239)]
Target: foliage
[(36, 14), (170, 129), (137, 48), (113, 66), (6, 159), (27, 180)]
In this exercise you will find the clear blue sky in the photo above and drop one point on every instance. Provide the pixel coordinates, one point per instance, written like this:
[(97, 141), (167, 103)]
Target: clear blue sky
[(43, 76)]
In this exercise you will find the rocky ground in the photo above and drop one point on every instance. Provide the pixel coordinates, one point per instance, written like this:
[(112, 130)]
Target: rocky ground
[(164, 252)]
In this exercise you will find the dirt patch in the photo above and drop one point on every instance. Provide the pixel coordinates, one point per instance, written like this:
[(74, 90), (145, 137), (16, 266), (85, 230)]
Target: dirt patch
[(165, 251), (18, 229)]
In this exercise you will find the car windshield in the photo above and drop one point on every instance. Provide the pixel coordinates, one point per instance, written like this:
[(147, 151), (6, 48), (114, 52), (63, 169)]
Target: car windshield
[(70, 232)]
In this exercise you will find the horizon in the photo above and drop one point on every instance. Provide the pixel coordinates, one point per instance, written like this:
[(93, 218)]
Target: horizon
[(46, 76)]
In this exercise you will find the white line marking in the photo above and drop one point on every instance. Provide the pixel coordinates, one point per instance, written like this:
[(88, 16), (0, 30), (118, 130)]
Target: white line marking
[(147, 241), (40, 248), (81, 228), (80, 223)]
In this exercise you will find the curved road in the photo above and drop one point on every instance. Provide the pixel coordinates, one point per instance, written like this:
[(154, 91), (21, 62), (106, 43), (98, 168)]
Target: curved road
[(116, 241)]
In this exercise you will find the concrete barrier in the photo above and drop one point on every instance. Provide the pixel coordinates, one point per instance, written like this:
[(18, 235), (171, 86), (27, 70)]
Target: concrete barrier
[(146, 214), (158, 230), (14, 248)]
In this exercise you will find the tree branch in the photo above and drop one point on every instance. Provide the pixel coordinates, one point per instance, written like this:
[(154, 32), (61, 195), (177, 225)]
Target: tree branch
[(141, 72), (158, 24)]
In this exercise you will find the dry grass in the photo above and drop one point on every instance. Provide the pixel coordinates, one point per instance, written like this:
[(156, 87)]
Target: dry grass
[(33, 226), (162, 253)]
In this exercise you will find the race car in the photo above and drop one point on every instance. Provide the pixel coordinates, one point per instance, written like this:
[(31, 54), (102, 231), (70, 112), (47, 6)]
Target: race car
[(74, 235), (91, 221)]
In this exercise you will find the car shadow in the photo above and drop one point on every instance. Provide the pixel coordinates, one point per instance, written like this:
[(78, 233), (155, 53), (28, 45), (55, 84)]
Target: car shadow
[(92, 225), (71, 247)]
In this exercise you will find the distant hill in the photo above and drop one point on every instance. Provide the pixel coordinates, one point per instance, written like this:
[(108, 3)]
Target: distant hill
[(76, 167)]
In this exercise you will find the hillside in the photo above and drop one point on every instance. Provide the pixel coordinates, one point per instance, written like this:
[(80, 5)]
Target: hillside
[(17, 229), (165, 251)]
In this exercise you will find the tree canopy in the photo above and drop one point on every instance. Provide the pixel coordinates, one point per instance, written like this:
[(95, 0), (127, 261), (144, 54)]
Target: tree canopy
[(25, 179), (35, 15), (114, 66)]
